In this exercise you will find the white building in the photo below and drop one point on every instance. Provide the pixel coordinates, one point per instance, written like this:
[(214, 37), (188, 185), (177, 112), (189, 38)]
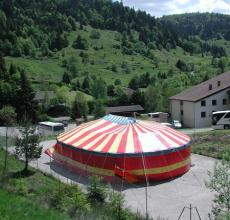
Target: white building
[(194, 106)]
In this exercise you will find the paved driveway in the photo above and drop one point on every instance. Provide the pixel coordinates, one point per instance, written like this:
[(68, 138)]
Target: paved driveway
[(165, 199)]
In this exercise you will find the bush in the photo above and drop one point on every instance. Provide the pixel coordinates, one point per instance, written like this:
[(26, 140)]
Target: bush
[(117, 82), (80, 43), (114, 68), (69, 199), (97, 190), (116, 208), (95, 34)]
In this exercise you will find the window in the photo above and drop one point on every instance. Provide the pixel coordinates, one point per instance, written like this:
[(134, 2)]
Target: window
[(203, 103), (182, 112), (227, 115), (213, 102), (203, 114), (224, 101)]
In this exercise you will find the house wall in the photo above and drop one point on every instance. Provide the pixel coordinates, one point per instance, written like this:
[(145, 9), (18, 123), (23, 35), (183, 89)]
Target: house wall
[(189, 113), (209, 108), (175, 109)]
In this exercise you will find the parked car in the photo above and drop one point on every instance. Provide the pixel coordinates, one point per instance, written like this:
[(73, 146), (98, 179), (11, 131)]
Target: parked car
[(176, 124)]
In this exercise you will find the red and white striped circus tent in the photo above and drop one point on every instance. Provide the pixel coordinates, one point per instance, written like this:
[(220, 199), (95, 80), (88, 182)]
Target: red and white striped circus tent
[(134, 150)]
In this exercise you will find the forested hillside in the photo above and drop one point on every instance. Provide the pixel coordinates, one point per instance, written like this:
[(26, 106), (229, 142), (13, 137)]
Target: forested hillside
[(99, 46)]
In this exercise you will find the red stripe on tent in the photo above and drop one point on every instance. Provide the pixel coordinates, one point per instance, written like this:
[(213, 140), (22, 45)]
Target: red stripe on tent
[(123, 142), (178, 136), (136, 141), (140, 128), (181, 135), (78, 129), (180, 143), (163, 141), (98, 143), (151, 127), (88, 132), (109, 144), (88, 141)]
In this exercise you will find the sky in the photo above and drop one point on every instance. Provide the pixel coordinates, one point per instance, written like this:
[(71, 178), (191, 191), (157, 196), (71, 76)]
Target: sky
[(158, 8)]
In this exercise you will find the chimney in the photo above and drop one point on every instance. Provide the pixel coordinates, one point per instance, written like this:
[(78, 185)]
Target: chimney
[(210, 86), (218, 83)]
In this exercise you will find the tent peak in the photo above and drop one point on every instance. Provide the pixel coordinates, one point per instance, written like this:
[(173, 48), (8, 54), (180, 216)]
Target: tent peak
[(120, 119)]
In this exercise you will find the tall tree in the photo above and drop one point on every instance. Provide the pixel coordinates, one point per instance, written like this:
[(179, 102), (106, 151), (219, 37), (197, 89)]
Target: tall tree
[(66, 78), (99, 88), (79, 107), (26, 105), (27, 145), (99, 110)]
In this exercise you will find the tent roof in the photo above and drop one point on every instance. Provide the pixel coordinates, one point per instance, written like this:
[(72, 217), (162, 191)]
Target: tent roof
[(123, 135)]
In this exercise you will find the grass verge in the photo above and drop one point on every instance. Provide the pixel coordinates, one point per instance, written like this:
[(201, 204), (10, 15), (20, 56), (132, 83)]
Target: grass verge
[(212, 143)]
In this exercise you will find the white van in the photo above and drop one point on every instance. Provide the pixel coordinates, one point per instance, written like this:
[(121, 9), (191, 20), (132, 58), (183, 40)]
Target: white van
[(221, 120), (159, 116), (47, 128)]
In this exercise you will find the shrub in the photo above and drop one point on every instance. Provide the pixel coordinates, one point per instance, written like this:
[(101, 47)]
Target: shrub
[(95, 34), (97, 190), (70, 200)]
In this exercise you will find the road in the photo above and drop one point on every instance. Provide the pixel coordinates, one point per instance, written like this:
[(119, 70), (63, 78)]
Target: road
[(165, 199)]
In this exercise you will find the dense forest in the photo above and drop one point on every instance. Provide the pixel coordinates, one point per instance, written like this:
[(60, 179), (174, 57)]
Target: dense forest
[(98, 47)]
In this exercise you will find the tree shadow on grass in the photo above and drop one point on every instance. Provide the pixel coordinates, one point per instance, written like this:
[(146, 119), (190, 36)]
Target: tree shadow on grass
[(21, 174)]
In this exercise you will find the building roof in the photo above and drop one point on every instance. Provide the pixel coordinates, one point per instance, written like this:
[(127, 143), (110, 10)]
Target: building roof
[(40, 95), (205, 89), (129, 108)]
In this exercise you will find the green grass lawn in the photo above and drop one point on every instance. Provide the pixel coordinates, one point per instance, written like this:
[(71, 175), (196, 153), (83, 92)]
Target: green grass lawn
[(37, 196), (212, 143), (13, 207)]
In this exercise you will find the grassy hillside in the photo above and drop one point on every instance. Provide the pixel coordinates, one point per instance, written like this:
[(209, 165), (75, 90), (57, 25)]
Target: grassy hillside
[(16, 207), (37, 196), (102, 56)]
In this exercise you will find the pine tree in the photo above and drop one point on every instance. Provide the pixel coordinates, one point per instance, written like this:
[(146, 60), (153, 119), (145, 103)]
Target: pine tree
[(99, 110), (86, 84), (66, 78), (25, 104), (12, 69)]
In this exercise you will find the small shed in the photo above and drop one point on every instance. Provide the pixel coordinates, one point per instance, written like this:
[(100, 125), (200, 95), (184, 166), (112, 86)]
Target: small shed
[(128, 110)]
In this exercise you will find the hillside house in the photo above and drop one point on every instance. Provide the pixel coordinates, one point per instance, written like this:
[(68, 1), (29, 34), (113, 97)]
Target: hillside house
[(194, 106)]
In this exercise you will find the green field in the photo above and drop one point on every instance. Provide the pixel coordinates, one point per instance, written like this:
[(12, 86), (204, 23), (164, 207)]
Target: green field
[(37, 196), (100, 60), (14, 207), (212, 144)]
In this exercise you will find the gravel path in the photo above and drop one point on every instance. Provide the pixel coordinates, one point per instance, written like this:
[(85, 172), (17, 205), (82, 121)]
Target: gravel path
[(165, 199)]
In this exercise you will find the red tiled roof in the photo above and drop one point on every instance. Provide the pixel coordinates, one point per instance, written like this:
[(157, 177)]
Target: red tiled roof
[(205, 89)]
